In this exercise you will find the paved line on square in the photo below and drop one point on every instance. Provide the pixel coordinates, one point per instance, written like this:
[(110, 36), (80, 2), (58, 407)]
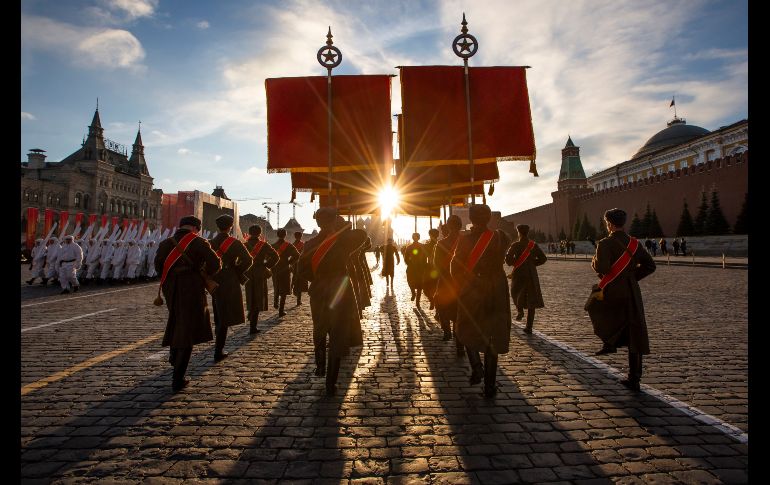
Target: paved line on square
[(67, 320), (86, 364), (87, 295), (727, 428)]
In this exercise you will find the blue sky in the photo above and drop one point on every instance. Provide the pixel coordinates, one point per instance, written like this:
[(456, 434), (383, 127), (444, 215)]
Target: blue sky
[(193, 72)]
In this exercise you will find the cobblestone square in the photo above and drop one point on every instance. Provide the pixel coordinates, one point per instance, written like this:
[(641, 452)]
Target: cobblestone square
[(97, 405)]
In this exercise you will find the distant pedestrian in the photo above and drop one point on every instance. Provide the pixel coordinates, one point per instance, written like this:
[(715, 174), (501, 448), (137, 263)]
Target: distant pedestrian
[(524, 255), (683, 247), (663, 247), (676, 246)]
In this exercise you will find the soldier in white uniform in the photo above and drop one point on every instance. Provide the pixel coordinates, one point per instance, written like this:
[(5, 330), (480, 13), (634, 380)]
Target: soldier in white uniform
[(152, 248), (118, 261), (85, 247), (106, 261), (92, 259), (133, 258), (52, 261), (70, 260), (38, 261)]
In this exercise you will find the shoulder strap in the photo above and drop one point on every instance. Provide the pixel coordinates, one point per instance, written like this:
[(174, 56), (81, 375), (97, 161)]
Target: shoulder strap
[(621, 263), (524, 255), (225, 246), (176, 253), (478, 250), (256, 249)]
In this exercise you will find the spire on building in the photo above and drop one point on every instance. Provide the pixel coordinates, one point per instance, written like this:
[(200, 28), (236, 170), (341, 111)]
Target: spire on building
[(93, 146), (571, 166), (137, 153)]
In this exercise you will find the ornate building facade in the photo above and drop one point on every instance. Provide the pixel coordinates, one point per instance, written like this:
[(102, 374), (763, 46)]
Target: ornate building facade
[(98, 178), (675, 165)]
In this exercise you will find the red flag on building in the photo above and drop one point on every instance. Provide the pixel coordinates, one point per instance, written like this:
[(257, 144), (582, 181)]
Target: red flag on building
[(113, 221), (297, 123), (104, 220), (64, 216), (435, 121), (78, 219), (92, 219), (48, 220), (124, 226), (32, 215)]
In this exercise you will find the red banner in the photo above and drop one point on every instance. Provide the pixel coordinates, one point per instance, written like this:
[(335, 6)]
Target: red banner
[(48, 221), (63, 218), (297, 123), (92, 219), (78, 219), (123, 227), (113, 222), (104, 220), (435, 121), (32, 215)]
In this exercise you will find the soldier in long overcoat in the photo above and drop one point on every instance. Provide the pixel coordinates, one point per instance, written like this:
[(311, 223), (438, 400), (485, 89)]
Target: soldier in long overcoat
[(263, 257), (483, 305), (619, 321), (282, 270), (298, 285), (227, 299), (445, 296), (389, 252), (333, 304), (416, 260), (430, 275), (525, 285), (184, 290)]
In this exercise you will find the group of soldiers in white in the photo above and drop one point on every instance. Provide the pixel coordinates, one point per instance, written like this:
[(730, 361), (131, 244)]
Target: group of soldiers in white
[(126, 256)]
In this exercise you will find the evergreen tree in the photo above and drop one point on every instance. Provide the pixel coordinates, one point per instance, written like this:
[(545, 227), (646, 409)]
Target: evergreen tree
[(576, 230), (646, 222), (587, 231), (716, 223), (636, 227), (700, 219), (562, 235), (655, 229), (686, 226), (742, 222), (550, 237)]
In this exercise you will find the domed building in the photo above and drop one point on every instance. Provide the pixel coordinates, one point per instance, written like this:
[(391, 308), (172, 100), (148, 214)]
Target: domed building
[(675, 165)]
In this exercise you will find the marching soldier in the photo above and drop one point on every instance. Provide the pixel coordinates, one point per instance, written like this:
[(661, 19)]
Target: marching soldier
[(282, 270), (69, 260), (332, 301), (133, 258), (389, 250), (38, 261), (105, 260), (430, 276), (446, 288), (484, 308), (118, 260), (525, 255), (264, 257), (619, 321), (227, 300), (182, 260), (52, 261), (416, 261), (298, 285)]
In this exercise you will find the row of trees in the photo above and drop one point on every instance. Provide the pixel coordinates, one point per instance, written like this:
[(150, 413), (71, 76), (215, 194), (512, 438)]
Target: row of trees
[(710, 220)]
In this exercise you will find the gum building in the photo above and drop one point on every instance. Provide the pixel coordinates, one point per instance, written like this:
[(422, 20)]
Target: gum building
[(100, 177)]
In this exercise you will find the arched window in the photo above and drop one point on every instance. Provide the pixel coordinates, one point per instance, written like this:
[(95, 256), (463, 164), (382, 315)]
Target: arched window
[(26, 195), (49, 199), (58, 200), (77, 200), (101, 207), (86, 201), (36, 196), (112, 205), (144, 210)]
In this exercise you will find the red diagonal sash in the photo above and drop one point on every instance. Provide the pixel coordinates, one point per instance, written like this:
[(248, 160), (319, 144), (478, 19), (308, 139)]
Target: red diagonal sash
[(257, 248), (523, 257), (479, 248), (620, 264), (283, 248), (299, 245), (323, 248), (225, 246), (175, 254)]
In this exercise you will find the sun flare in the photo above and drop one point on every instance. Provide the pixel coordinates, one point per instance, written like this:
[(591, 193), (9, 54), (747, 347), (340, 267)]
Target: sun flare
[(388, 198)]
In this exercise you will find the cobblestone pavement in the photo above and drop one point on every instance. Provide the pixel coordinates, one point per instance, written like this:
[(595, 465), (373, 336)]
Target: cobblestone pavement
[(96, 404)]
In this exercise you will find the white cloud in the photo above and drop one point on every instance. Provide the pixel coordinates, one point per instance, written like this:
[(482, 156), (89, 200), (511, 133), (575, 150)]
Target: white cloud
[(217, 158), (203, 24), (27, 116), (93, 48), (183, 151), (132, 9)]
